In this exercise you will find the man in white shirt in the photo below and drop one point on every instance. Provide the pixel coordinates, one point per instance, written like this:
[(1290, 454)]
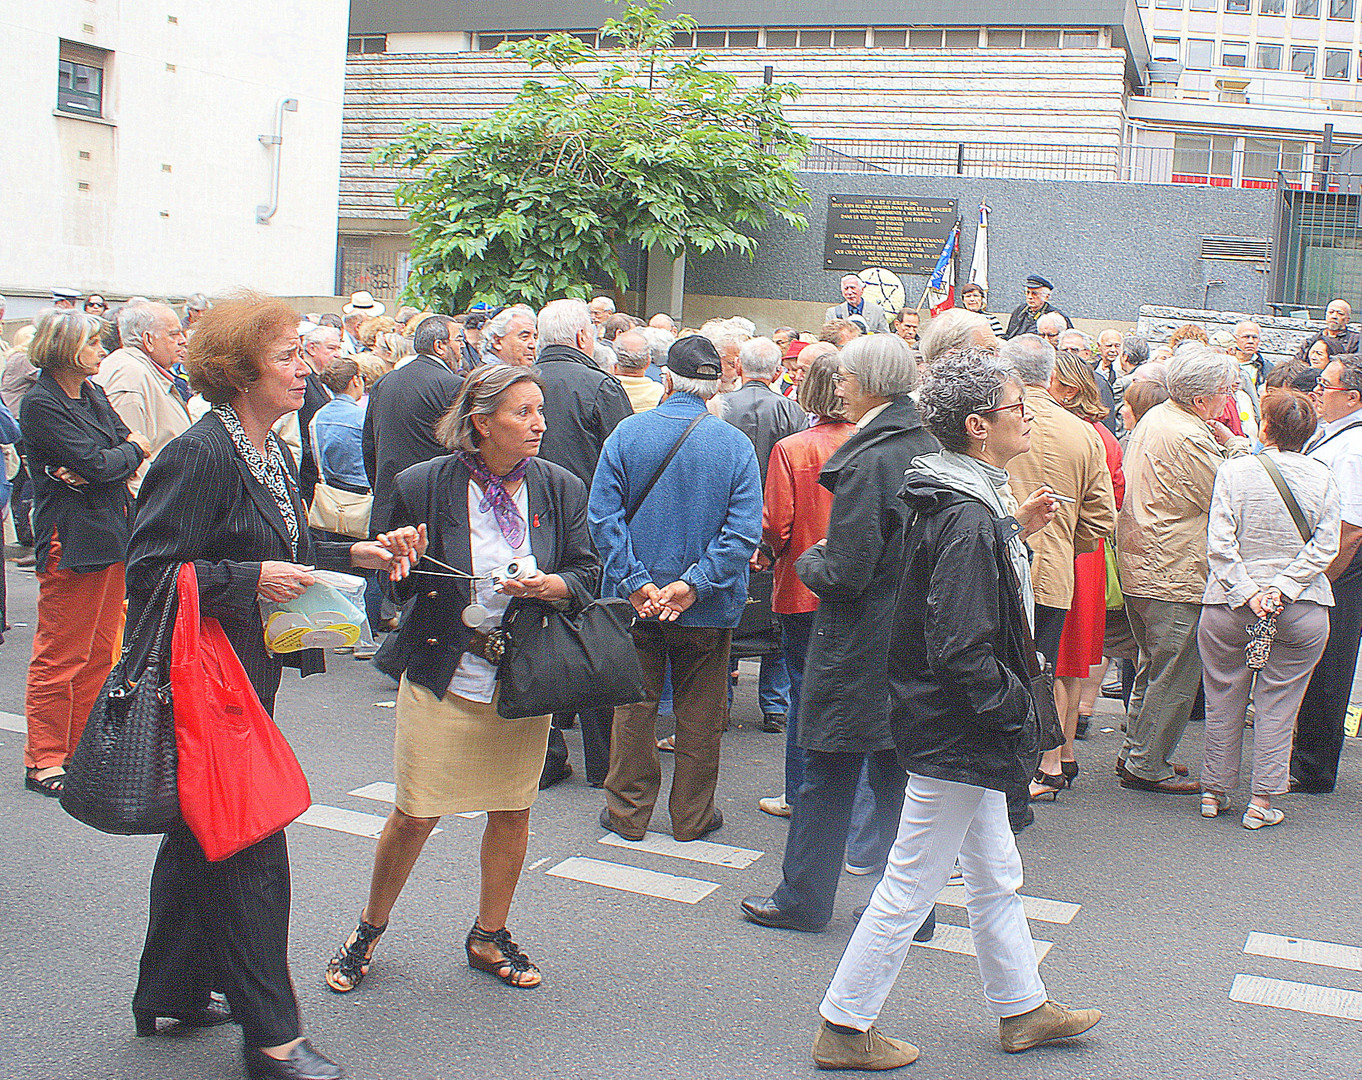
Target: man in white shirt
[(1337, 443)]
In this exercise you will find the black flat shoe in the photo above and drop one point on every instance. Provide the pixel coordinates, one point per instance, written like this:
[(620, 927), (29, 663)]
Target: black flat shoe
[(1081, 731), (764, 911), (214, 1013), (304, 1063), (608, 823), (1069, 770)]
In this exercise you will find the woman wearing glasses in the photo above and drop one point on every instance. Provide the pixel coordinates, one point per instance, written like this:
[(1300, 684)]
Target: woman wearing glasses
[(489, 502), (963, 722)]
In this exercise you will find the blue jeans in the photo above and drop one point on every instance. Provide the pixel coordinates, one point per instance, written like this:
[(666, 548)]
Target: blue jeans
[(773, 685), (795, 631), (866, 842)]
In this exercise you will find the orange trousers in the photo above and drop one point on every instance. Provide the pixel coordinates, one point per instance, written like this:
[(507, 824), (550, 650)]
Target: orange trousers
[(78, 618)]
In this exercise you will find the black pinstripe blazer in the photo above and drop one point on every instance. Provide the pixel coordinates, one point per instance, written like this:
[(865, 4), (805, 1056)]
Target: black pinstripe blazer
[(200, 503)]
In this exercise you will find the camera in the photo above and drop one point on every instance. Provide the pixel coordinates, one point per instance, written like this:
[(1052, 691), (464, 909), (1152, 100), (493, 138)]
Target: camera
[(515, 570)]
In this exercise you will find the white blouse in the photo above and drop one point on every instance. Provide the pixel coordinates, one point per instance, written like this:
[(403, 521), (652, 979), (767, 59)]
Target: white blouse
[(474, 678)]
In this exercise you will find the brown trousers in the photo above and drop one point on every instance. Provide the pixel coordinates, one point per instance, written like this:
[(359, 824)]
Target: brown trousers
[(78, 618), (699, 659)]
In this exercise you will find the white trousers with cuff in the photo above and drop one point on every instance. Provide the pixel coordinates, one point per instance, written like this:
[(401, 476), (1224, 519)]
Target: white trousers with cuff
[(941, 821)]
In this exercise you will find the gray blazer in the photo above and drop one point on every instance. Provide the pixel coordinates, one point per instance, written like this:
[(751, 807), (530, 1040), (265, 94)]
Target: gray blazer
[(871, 312)]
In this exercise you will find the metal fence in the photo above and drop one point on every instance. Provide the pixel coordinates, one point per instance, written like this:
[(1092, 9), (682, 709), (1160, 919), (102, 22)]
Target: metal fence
[(1319, 242), (358, 266)]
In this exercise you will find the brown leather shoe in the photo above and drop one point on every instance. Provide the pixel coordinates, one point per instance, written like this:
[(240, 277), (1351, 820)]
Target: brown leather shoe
[(1174, 785), (870, 1050), (1049, 1021), (1178, 767)]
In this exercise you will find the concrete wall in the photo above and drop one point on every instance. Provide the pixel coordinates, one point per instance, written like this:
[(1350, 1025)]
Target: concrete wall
[(174, 174), (1108, 247), (1281, 337)]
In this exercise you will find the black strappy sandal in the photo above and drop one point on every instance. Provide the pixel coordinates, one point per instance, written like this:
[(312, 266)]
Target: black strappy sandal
[(48, 785), (513, 962), (352, 960)]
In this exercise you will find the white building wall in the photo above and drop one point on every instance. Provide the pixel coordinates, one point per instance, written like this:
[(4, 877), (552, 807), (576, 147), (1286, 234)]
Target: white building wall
[(161, 197)]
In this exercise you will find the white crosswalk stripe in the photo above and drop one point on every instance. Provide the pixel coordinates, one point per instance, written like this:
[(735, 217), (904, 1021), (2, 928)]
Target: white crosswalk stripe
[(1297, 997), (701, 851), (1323, 953), (1037, 908), (13, 722), (381, 792), (633, 879), (958, 939)]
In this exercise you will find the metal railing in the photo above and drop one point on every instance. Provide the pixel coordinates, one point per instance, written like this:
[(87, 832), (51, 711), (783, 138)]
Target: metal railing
[(384, 274), (1319, 242)]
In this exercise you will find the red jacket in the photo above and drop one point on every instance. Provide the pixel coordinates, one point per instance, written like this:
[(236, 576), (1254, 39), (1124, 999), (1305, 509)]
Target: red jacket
[(795, 514)]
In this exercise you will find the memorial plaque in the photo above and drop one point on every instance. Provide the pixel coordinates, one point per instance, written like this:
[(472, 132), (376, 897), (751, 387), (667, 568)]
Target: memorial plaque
[(892, 231)]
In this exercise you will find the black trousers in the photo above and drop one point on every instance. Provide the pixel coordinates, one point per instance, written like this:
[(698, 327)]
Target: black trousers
[(820, 820), (1319, 724), (221, 926), (596, 725)]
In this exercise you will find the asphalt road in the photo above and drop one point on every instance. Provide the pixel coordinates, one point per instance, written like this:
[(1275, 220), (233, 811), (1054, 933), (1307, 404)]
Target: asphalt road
[(642, 986)]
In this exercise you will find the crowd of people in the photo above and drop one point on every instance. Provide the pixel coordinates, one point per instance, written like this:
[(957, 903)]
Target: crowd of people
[(923, 529)]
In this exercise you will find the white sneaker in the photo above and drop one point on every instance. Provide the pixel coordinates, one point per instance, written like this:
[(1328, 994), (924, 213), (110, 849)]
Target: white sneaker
[(775, 805)]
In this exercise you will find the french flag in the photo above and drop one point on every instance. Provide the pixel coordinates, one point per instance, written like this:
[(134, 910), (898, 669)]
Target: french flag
[(941, 288)]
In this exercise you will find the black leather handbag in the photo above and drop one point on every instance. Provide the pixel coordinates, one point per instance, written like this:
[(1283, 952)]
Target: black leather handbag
[(561, 662), (122, 776)]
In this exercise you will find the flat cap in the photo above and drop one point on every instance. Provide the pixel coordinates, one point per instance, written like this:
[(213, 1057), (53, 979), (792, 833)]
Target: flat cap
[(1035, 281)]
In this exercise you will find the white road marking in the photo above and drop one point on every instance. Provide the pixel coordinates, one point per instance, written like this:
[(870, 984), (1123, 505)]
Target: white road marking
[(13, 722), (1298, 997), (537, 863), (958, 939), (701, 851), (1324, 953), (1041, 910), (632, 879), (346, 821), (387, 793), (385, 704)]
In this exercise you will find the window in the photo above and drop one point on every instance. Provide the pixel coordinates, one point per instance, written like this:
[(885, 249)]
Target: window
[(962, 39), (1236, 7), (1175, 5), (1005, 39), (924, 39), (815, 39), (1307, 9), (1204, 5), (683, 39), (1082, 39), (1167, 48), (1199, 54), (1271, 7), (1303, 61), (1341, 9), (742, 39), (1261, 158), (1268, 58), (1234, 54), (710, 39), (782, 39), (1199, 158), (366, 44), (1042, 39), (852, 38), (488, 42), (1337, 63), (891, 39), (80, 79)]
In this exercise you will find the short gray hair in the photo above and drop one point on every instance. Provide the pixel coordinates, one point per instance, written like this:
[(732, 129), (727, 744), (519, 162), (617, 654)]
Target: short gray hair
[(724, 334), (704, 389), (1197, 370), (1031, 357), (1351, 375), (480, 395), (759, 357), (497, 326), (882, 363), (197, 302), (1084, 345), (952, 329), (313, 337), (960, 384), (1053, 319), (134, 320), (632, 351), (1136, 347), (659, 341), (748, 326), (560, 321)]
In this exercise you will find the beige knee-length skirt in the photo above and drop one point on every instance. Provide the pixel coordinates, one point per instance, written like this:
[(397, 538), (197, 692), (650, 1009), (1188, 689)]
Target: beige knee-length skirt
[(455, 756)]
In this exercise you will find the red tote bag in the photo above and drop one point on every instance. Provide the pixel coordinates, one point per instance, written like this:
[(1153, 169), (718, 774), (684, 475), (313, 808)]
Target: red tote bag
[(239, 779)]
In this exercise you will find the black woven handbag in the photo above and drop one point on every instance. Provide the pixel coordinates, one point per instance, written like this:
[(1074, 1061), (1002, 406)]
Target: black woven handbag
[(557, 662), (122, 776)]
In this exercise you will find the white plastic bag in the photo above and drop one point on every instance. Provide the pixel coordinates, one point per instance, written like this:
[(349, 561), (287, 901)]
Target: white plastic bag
[(328, 614)]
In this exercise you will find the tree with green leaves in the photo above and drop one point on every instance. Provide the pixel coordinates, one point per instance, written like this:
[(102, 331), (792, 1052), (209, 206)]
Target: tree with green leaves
[(634, 145)]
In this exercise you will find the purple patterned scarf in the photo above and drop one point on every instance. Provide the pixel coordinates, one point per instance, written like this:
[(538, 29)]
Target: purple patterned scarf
[(495, 496)]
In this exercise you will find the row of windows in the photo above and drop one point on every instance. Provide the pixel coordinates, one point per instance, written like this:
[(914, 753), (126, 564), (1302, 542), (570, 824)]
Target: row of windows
[(1301, 59), (858, 37), (1342, 10), (1212, 157)]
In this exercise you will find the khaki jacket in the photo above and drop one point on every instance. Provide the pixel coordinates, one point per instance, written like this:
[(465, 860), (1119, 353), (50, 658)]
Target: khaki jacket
[(144, 400), (1067, 454), (1170, 466)]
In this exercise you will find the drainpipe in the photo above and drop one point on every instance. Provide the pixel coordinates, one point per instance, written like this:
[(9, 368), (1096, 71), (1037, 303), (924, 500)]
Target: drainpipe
[(264, 213)]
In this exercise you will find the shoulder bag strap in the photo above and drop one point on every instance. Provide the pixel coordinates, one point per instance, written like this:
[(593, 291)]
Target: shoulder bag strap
[(1293, 507), (663, 467)]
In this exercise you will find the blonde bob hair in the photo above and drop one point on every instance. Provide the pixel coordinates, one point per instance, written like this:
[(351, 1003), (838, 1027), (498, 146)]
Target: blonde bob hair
[(481, 395), (59, 337)]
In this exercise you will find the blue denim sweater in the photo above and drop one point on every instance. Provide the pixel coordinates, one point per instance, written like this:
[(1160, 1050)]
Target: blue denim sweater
[(699, 524)]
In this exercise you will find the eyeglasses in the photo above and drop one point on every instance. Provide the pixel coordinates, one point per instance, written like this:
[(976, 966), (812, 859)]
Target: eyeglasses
[(840, 377), (1020, 406), (1322, 386)]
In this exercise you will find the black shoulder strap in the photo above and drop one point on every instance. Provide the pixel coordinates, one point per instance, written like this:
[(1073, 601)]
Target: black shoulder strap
[(1279, 481), (663, 467)]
